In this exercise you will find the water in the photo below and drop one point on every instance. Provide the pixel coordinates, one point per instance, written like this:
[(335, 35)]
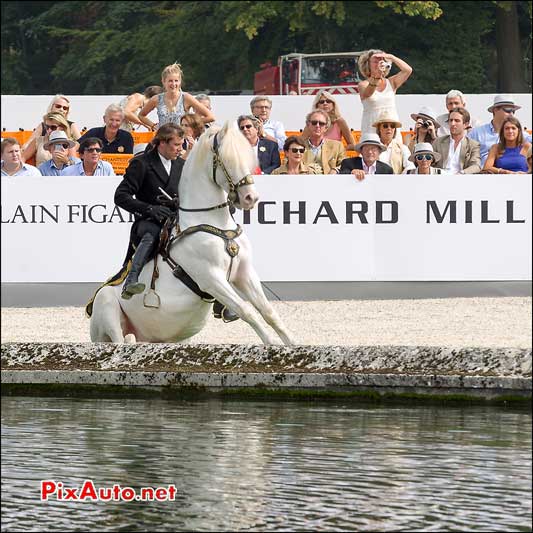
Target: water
[(269, 466)]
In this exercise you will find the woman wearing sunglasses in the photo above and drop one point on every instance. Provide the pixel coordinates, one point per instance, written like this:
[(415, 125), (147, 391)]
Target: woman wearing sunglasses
[(36, 147), (423, 157), (378, 91), (338, 128), (509, 156), (59, 104), (294, 148)]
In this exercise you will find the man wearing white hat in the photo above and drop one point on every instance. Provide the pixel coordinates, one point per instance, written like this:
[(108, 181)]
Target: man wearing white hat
[(368, 163), (488, 134), (58, 145)]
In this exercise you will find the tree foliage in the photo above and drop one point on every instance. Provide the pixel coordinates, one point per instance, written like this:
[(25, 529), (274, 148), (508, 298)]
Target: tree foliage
[(97, 47)]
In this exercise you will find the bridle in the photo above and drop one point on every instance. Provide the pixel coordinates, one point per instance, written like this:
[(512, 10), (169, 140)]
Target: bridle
[(232, 195)]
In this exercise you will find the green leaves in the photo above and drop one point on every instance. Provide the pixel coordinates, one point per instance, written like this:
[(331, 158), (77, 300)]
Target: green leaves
[(119, 47)]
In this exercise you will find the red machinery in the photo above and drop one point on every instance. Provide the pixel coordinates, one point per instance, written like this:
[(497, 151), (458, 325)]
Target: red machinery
[(310, 73)]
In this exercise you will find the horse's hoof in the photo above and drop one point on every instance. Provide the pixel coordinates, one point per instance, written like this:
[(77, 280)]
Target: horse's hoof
[(130, 339)]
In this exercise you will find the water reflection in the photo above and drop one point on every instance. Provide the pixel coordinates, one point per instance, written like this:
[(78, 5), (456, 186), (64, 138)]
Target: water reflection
[(267, 466)]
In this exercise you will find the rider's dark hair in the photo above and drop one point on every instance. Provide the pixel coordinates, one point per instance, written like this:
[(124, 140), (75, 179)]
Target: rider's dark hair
[(166, 132)]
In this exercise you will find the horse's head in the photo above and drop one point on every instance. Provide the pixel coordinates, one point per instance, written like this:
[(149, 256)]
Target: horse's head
[(235, 162)]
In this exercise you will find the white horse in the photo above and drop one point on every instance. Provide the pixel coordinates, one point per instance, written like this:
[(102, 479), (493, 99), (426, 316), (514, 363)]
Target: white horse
[(221, 163)]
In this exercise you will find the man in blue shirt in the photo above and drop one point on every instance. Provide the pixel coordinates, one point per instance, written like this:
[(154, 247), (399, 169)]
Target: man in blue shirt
[(114, 140), (488, 135), (12, 163), (90, 164), (58, 145)]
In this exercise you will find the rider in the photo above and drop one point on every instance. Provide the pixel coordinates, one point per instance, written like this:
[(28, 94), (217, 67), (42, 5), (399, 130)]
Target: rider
[(159, 167)]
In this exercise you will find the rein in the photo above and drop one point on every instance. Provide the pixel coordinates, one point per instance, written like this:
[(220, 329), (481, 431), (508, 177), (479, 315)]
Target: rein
[(232, 195)]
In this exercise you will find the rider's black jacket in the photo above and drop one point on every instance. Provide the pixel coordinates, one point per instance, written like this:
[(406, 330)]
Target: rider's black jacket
[(140, 187)]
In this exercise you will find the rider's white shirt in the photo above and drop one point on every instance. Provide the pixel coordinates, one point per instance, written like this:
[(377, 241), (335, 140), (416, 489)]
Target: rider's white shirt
[(167, 163)]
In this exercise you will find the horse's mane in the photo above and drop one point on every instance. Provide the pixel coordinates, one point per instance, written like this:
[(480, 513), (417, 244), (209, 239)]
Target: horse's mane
[(233, 149)]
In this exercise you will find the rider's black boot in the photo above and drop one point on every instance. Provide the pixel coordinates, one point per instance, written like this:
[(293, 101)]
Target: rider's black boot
[(220, 311), (142, 253)]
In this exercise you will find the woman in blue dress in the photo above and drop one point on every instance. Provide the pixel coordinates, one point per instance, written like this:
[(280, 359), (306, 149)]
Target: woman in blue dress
[(172, 102), (509, 156)]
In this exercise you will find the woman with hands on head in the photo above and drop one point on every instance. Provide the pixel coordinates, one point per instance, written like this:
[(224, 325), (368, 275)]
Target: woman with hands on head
[(36, 146), (172, 103), (378, 91)]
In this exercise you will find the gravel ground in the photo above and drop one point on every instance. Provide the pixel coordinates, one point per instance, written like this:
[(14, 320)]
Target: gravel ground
[(452, 322)]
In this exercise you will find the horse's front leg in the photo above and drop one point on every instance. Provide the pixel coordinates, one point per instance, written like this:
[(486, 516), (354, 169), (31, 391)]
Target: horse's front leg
[(249, 285), (218, 287)]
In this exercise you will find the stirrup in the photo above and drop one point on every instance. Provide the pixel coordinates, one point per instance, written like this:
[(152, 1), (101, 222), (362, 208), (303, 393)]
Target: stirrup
[(226, 315)]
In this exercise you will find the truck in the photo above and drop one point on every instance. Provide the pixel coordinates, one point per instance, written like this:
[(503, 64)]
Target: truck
[(297, 73)]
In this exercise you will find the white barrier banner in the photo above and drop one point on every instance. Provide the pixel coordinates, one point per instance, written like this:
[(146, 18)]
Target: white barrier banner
[(304, 228)]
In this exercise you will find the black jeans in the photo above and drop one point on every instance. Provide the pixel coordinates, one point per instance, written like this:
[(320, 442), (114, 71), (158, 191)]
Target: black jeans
[(142, 227)]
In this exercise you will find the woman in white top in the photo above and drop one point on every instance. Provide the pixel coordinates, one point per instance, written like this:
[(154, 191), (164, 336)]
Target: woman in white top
[(397, 154), (378, 92), (172, 103)]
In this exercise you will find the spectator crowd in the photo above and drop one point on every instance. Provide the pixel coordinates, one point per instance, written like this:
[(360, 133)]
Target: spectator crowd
[(451, 143)]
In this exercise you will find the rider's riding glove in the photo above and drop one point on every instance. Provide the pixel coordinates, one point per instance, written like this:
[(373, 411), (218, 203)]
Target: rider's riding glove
[(159, 212)]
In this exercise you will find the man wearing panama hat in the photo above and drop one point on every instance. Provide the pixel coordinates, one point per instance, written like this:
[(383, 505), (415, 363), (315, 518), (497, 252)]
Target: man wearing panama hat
[(58, 145), (396, 154), (488, 134), (368, 163)]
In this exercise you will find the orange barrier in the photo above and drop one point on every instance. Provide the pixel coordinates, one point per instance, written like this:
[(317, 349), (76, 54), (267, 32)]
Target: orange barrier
[(140, 137), (21, 136), (119, 162)]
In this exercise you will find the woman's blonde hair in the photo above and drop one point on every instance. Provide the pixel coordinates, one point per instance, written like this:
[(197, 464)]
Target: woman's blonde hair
[(335, 113), (364, 61), (175, 68), (60, 119), (54, 100)]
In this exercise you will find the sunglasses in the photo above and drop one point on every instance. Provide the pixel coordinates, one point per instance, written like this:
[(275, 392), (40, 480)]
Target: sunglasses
[(246, 127), (421, 157), (261, 107), (317, 123), (52, 127), (62, 145), (297, 150), (325, 102), (509, 110), (97, 150), (387, 125), (59, 106)]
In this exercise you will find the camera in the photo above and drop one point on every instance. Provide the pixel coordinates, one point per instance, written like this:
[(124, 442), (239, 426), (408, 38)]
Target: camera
[(426, 124)]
